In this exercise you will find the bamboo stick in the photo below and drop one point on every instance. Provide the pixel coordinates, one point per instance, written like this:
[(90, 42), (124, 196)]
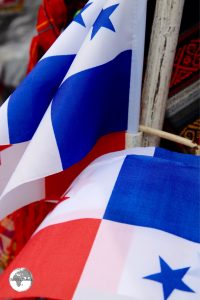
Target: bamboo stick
[(162, 49), (168, 136)]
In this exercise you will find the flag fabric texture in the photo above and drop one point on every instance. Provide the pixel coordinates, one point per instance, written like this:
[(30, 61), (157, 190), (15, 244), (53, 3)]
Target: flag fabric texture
[(92, 101), (129, 231), (22, 112)]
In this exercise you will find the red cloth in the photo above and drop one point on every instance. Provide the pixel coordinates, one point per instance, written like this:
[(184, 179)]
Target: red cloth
[(52, 18)]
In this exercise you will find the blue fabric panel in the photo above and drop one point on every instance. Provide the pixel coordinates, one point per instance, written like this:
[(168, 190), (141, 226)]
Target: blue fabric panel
[(90, 104), (157, 193), (30, 100), (188, 159)]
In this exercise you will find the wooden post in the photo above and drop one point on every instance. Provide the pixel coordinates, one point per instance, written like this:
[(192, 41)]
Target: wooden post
[(164, 37)]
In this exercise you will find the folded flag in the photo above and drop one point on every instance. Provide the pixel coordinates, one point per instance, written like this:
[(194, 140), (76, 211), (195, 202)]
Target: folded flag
[(92, 101), (129, 231), (21, 114)]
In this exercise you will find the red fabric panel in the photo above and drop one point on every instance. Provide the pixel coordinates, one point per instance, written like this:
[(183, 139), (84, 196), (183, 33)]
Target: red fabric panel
[(56, 257), (2, 147), (57, 184)]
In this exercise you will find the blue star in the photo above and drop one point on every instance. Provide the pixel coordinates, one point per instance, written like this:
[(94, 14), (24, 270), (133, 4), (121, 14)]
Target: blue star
[(78, 18), (103, 20), (170, 279)]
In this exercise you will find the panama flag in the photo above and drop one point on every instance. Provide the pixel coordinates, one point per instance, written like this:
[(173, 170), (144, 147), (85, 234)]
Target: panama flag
[(21, 114), (96, 98), (129, 231)]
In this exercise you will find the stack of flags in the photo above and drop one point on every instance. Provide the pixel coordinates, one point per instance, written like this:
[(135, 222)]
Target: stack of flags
[(127, 228)]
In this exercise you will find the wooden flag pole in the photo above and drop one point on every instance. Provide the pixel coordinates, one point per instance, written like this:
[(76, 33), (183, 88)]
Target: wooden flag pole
[(169, 136), (164, 37)]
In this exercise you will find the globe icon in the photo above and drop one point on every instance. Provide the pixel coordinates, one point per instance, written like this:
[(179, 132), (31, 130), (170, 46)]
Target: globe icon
[(21, 279)]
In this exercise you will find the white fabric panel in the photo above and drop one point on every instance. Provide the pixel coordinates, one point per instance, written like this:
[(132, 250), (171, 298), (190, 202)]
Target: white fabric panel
[(9, 159), (4, 133), (96, 52), (122, 255), (143, 260), (105, 263), (88, 294), (27, 170), (71, 39), (23, 195)]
